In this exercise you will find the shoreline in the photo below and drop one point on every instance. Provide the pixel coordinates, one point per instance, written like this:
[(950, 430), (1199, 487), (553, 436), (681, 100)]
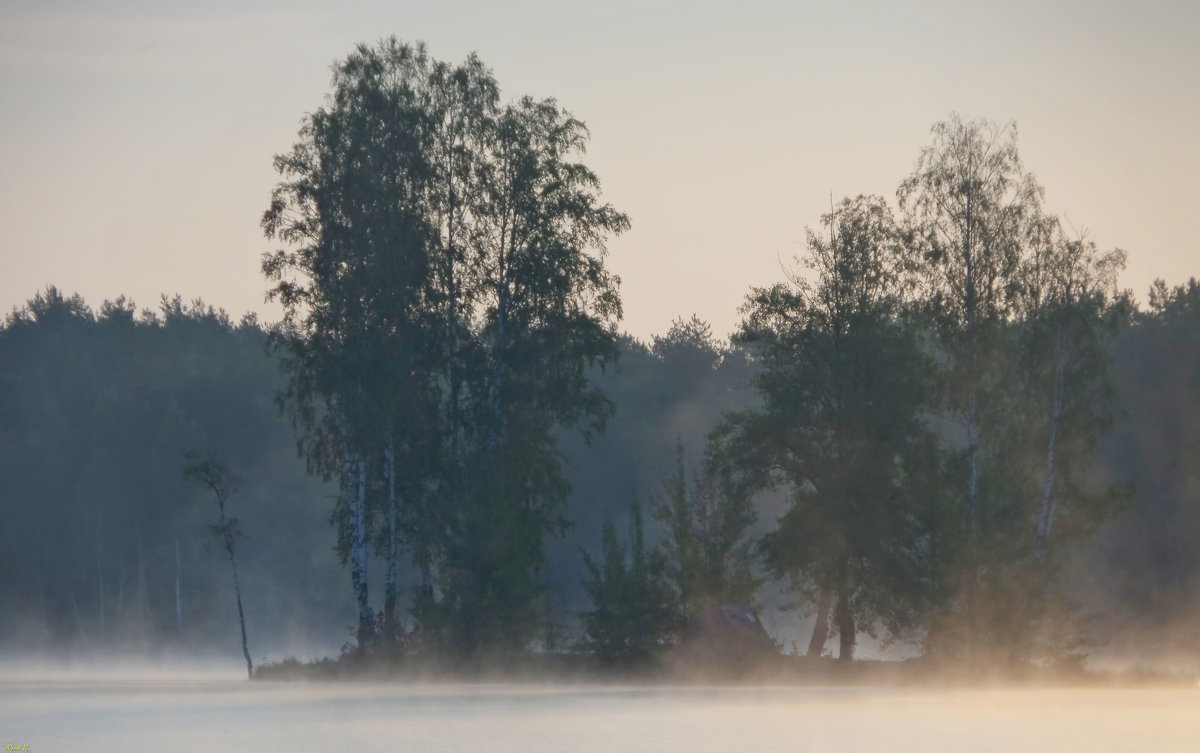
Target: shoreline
[(667, 670)]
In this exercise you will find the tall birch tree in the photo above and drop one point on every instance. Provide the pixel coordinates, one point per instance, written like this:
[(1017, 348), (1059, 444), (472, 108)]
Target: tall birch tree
[(1071, 303), (543, 309), (842, 389), (1070, 309), (353, 283), (444, 293), (973, 214)]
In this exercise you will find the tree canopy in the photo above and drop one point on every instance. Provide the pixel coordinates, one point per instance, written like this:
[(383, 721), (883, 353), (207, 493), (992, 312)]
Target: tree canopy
[(443, 298)]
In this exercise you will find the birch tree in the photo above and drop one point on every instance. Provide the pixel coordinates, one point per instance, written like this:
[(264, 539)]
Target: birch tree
[(213, 475), (973, 213), (842, 388), (974, 210), (444, 293), (353, 283), (543, 308), (1070, 303)]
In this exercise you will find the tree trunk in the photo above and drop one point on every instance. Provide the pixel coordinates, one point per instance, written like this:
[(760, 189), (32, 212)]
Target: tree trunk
[(972, 459), (237, 591), (393, 513), (847, 633), (78, 617), (498, 368), (120, 608), (100, 583), (1057, 407), (971, 304), (143, 599), (820, 633), (358, 550), (178, 594), (503, 298), (452, 310), (427, 579)]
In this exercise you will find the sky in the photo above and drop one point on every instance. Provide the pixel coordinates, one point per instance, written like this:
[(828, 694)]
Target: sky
[(136, 138)]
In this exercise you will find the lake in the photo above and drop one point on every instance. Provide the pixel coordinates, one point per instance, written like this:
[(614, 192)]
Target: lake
[(160, 713)]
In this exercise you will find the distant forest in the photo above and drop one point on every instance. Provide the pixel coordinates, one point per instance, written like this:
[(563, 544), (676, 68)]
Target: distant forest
[(947, 426)]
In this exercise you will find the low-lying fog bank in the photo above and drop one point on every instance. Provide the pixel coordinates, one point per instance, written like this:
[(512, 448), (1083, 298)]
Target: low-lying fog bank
[(128, 713), (681, 667)]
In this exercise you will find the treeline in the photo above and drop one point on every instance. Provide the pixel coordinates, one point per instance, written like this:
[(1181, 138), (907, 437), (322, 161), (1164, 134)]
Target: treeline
[(71, 584), (104, 545), (946, 426)]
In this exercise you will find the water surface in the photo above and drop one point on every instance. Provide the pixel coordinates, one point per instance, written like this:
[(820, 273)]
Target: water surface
[(143, 714)]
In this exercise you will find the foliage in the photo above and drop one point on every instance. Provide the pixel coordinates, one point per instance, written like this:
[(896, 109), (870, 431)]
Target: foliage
[(704, 545), (1020, 315), (935, 427), (443, 298), (207, 470), (1140, 577), (634, 612), (843, 388), (104, 541)]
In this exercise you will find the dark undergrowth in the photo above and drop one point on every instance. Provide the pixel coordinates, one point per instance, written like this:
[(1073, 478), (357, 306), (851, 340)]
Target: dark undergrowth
[(673, 669)]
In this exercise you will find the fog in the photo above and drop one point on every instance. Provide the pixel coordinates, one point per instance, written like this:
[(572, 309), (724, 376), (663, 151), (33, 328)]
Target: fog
[(935, 491), (199, 709)]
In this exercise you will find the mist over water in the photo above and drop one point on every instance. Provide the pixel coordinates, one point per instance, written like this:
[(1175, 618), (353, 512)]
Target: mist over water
[(947, 434), (202, 710)]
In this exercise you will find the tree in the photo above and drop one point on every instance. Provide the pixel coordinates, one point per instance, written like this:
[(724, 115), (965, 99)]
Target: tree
[(1145, 559), (704, 545), (973, 211), (973, 214), (1070, 308), (443, 301), (542, 309), (356, 291), (1064, 397), (842, 387), (634, 612), (97, 411), (212, 474)]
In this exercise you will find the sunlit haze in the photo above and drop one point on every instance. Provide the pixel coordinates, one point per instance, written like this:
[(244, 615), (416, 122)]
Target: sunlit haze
[(938, 491), (198, 716), (136, 142)]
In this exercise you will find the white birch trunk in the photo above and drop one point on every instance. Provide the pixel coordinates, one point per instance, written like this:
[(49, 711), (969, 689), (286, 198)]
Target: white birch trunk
[(100, 582), (120, 608), (358, 548), (178, 594), (143, 598), (393, 513), (429, 579), (820, 634), (971, 304), (972, 458), (78, 617), (1057, 408)]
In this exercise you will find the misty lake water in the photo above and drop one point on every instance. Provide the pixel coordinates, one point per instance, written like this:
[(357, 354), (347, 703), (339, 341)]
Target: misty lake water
[(158, 713)]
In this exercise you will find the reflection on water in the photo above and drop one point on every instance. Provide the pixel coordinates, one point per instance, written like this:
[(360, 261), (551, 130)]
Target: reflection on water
[(205, 714)]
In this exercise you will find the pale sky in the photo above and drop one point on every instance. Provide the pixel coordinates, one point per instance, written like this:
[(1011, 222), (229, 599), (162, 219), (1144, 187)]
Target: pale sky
[(136, 137)]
